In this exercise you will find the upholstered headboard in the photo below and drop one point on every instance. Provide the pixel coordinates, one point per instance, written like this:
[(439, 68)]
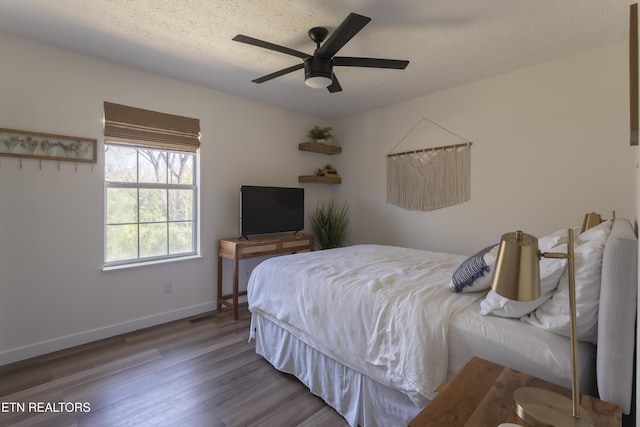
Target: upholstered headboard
[(617, 316)]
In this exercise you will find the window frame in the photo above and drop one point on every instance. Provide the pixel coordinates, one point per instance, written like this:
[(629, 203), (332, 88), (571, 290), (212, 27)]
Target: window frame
[(195, 214)]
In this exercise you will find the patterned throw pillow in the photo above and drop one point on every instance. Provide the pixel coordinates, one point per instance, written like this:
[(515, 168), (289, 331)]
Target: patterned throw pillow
[(474, 274)]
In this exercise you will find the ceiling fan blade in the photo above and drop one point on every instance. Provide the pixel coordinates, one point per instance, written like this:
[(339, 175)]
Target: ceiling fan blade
[(266, 45), (335, 85), (345, 32), (346, 61), (278, 73)]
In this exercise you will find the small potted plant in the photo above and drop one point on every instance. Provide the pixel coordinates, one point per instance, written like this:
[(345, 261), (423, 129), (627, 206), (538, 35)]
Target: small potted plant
[(319, 134)]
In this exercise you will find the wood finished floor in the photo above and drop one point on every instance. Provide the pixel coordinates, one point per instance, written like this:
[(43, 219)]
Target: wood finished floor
[(194, 372)]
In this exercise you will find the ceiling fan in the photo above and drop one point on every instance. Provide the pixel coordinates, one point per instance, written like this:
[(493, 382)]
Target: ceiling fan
[(318, 68)]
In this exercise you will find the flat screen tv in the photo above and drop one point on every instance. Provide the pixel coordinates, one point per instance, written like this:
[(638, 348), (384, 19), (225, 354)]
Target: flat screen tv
[(265, 210)]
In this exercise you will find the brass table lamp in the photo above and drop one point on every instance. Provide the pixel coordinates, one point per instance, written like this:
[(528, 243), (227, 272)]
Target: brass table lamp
[(591, 220), (517, 277)]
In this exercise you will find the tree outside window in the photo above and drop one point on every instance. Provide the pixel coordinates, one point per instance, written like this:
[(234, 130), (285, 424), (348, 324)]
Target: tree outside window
[(150, 204)]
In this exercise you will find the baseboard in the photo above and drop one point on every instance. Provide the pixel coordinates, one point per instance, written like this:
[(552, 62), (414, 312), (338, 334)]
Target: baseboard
[(68, 341)]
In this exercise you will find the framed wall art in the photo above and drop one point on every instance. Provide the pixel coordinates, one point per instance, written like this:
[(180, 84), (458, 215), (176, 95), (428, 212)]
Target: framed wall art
[(45, 146)]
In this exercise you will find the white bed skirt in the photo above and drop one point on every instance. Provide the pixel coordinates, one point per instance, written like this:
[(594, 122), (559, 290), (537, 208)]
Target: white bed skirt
[(359, 399)]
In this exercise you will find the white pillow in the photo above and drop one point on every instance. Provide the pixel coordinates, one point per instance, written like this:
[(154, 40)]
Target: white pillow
[(560, 236), (550, 271), (599, 232), (476, 272), (555, 238), (553, 315), (545, 243)]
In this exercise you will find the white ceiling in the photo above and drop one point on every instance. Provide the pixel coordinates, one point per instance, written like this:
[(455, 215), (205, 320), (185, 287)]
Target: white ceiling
[(448, 42)]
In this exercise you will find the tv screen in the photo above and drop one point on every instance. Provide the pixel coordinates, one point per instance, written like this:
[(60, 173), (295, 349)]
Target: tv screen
[(266, 210)]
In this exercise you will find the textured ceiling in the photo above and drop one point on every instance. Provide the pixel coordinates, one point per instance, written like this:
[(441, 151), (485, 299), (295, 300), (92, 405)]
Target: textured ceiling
[(448, 43)]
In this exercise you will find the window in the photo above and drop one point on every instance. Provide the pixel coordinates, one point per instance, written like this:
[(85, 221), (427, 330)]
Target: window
[(150, 204), (151, 191)]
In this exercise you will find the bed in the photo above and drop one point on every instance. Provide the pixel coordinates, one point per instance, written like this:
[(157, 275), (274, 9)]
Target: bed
[(374, 329)]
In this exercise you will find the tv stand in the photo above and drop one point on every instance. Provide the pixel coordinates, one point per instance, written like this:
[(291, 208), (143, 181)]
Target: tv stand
[(237, 248)]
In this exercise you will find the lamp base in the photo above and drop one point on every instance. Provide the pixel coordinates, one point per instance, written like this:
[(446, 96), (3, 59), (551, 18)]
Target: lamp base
[(539, 407)]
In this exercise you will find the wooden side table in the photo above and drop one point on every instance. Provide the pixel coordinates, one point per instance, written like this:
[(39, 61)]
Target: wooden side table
[(235, 249), (481, 394)]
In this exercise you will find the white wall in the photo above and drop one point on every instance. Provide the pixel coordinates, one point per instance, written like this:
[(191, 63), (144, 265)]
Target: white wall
[(53, 292), (562, 126), (550, 143)]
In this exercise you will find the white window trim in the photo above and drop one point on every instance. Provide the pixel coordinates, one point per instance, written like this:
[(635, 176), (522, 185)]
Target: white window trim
[(139, 262)]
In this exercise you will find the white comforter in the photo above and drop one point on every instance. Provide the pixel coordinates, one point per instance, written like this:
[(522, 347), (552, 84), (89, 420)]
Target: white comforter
[(381, 310)]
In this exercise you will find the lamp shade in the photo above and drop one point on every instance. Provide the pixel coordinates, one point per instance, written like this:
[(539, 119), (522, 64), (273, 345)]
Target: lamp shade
[(590, 220), (517, 272)]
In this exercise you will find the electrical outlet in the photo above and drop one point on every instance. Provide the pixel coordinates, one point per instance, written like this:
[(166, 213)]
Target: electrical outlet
[(168, 287)]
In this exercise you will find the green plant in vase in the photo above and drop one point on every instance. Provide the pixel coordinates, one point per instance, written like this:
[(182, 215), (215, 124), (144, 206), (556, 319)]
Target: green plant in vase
[(329, 221), (320, 134)]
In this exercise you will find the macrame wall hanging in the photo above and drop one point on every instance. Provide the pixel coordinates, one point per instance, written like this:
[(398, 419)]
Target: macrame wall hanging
[(427, 179)]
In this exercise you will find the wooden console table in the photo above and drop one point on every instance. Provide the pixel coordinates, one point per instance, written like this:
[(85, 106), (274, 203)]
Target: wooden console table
[(481, 394), (235, 249)]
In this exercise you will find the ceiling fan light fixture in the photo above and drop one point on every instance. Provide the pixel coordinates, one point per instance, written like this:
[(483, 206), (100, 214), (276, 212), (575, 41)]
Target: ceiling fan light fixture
[(318, 68), (318, 82), (318, 72)]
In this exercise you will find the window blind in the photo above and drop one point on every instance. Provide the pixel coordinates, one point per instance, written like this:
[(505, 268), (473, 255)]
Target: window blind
[(135, 126)]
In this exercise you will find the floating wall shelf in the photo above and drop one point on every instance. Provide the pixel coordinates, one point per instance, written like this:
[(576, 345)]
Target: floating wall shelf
[(320, 179), (318, 147)]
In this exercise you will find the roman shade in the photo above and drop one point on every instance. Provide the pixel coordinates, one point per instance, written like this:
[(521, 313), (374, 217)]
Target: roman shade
[(135, 126)]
